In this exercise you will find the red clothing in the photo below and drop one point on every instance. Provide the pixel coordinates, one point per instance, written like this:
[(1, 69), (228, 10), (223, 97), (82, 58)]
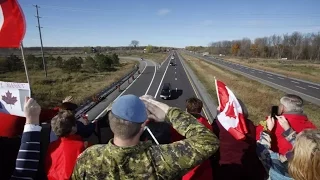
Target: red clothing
[(204, 170), (62, 155), (298, 122), (12, 126), (238, 158)]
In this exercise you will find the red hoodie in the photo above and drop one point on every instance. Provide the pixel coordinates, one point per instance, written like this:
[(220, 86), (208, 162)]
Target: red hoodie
[(12, 126), (298, 122), (204, 170), (62, 155)]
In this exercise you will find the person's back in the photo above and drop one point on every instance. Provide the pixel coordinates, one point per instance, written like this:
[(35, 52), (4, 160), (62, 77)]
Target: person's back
[(143, 160), (63, 153)]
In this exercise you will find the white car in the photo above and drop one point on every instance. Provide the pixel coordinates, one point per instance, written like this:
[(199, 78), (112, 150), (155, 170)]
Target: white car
[(172, 57)]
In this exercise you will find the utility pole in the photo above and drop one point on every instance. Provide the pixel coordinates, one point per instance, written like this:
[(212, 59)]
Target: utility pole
[(39, 27)]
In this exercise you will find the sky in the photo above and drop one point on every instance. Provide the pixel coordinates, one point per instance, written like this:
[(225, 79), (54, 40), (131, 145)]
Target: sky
[(174, 23)]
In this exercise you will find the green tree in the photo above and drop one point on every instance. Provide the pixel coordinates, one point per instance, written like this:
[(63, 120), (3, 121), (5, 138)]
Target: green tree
[(103, 62), (71, 65), (149, 48), (14, 63), (3, 65), (59, 62), (90, 63), (115, 59)]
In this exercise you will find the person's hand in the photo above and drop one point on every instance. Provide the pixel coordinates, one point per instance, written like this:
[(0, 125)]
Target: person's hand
[(32, 111), (270, 123), (283, 122), (156, 110), (67, 99)]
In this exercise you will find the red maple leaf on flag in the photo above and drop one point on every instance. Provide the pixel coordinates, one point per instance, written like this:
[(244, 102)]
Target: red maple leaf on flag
[(9, 99), (230, 112)]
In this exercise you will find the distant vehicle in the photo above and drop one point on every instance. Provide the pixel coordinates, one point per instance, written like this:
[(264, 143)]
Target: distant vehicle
[(172, 63), (205, 54), (166, 91), (172, 57), (141, 59)]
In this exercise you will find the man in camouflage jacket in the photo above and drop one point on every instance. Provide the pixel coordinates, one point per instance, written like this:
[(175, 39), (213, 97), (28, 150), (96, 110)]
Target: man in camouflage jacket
[(125, 157)]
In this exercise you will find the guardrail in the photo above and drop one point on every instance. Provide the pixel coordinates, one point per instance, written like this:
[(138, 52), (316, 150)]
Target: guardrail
[(88, 103)]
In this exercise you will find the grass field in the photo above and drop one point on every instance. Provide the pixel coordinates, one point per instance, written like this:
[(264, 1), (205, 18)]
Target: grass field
[(50, 91), (156, 57), (304, 70), (258, 97)]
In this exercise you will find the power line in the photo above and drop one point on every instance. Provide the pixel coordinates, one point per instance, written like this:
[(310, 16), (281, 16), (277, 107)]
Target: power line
[(39, 27)]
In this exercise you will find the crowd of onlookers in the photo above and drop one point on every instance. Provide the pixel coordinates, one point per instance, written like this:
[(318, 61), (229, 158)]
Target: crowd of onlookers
[(281, 147)]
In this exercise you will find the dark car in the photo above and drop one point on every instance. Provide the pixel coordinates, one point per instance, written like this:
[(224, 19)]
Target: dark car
[(166, 91), (172, 63)]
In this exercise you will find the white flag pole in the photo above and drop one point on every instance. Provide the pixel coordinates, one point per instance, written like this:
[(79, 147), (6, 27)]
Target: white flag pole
[(25, 66), (149, 131), (215, 80)]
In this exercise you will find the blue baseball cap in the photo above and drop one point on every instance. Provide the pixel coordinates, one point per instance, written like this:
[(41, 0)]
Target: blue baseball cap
[(130, 108)]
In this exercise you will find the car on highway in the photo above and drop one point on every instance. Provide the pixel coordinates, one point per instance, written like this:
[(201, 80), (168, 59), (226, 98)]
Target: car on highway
[(172, 57), (166, 91), (172, 63)]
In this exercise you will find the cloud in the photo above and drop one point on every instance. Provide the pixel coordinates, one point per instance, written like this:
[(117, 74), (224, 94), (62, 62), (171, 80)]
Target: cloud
[(163, 12), (207, 22)]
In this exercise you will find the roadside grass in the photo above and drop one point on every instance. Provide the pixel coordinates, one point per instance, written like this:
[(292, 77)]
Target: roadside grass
[(156, 57), (304, 70), (49, 92), (257, 97)]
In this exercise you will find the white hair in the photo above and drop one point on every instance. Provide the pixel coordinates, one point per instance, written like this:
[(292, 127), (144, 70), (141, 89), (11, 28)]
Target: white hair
[(292, 103)]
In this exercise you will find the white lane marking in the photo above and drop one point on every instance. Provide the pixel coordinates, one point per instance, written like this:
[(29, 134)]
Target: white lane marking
[(175, 72), (301, 87), (313, 87), (295, 82), (122, 91), (176, 79), (155, 96), (154, 74), (280, 77), (269, 75), (270, 78)]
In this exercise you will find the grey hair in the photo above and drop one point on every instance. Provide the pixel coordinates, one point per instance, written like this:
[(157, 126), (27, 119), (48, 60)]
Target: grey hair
[(292, 103)]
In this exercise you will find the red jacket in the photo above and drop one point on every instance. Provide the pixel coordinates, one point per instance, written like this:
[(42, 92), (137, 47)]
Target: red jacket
[(298, 122), (12, 126), (62, 155), (204, 170)]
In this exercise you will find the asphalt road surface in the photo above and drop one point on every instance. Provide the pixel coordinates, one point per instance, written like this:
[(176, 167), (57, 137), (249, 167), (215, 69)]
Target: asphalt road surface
[(150, 82), (307, 90)]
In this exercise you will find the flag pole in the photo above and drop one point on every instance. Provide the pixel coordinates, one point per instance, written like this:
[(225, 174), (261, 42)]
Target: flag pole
[(215, 81), (25, 66)]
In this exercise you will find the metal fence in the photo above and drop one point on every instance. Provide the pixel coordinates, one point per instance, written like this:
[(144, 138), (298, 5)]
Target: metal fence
[(88, 103)]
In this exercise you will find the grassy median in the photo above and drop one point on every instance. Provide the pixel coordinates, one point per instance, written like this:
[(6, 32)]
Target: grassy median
[(305, 70), (258, 97), (50, 91)]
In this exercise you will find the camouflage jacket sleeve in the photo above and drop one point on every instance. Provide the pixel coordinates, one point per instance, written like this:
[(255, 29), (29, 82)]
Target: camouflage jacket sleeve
[(268, 158), (173, 160), (290, 135)]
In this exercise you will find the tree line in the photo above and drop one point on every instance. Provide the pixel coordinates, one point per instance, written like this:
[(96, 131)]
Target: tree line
[(292, 46), (99, 62)]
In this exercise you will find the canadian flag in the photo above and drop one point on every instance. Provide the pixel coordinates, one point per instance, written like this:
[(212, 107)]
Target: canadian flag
[(12, 24), (231, 115)]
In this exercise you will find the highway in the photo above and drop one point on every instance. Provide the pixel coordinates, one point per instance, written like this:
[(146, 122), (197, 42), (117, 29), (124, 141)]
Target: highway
[(150, 82), (307, 90)]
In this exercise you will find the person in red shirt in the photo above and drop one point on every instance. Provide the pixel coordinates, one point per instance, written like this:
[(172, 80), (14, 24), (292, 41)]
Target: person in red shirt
[(204, 170), (238, 158), (291, 107), (62, 153)]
